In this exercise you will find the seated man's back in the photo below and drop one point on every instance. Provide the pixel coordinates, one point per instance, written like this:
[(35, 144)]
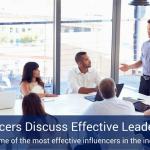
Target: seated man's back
[(111, 105)]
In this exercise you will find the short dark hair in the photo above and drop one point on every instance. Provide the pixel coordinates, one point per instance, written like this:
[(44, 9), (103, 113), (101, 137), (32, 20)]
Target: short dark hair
[(107, 88), (32, 105), (79, 55), (148, 21)]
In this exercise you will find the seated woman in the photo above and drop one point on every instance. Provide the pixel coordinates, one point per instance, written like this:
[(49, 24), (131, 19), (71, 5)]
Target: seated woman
[(31, 81), (33, 111), (33, 108), (32, 105)]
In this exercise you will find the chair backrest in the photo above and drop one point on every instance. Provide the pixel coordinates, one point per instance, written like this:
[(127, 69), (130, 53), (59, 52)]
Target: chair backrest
[(7, 99)]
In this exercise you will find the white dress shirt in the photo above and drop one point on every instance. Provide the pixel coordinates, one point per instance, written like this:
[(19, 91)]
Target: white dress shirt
[(37, 89), (112, 106), (77, 79)]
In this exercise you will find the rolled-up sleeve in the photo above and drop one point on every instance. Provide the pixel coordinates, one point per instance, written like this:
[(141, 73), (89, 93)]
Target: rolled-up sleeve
[(73, 83), (142, 52)]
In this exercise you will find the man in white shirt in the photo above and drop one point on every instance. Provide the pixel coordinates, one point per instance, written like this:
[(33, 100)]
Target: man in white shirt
[(83, 79), (111, 105)]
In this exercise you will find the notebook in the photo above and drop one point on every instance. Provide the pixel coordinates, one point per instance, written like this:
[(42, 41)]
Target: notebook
[(141, 107)]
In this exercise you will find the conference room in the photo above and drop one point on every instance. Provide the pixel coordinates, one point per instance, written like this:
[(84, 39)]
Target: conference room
[(72, 59), (53, 33)]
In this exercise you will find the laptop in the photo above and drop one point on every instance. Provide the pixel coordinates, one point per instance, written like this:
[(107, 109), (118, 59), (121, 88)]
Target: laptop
[(7, 99), (98, 96)]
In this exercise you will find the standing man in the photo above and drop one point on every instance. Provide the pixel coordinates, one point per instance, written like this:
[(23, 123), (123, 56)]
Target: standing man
[(145, 63), (83, 79)]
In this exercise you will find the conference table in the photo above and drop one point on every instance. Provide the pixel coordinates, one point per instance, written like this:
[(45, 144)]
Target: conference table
[(71, 104)]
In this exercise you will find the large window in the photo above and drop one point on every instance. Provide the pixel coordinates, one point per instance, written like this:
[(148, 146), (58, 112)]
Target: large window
[(85, 26), (26, 34), (133, 34)]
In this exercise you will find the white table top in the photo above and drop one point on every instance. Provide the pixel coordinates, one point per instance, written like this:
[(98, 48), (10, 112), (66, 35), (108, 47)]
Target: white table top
[(129, 93), (70, 104)]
